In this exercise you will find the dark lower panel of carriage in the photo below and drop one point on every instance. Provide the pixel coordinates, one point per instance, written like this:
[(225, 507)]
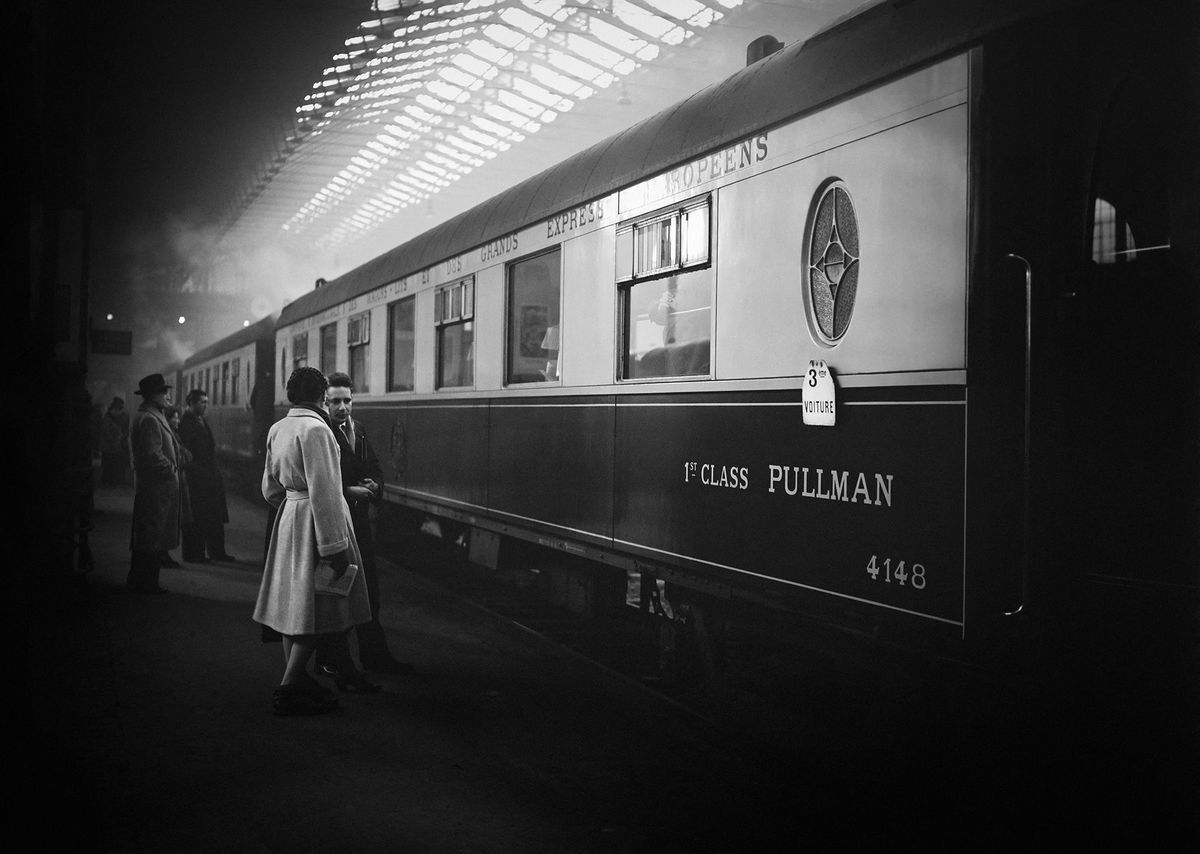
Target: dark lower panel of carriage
[(867, 511), (440, 451), (733, 487), (553, 462)]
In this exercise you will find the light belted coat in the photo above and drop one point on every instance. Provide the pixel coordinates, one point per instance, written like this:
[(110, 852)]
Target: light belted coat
[(156, 481), (302, 479)]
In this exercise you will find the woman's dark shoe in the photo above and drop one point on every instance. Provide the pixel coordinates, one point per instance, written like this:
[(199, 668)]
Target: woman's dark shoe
[(301, 699), (354, 683)]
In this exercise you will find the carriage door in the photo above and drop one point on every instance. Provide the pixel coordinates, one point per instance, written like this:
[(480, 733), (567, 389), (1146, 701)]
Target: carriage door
[(1129, 375)]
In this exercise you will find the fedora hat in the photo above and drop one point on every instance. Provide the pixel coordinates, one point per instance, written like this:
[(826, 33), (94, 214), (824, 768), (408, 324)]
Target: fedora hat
[(153, 384)]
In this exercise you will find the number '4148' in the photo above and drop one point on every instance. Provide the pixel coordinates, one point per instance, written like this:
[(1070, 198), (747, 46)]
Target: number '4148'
[(886, 570)]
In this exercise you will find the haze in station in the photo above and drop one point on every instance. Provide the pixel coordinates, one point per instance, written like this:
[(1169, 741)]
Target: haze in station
[(434, 106)]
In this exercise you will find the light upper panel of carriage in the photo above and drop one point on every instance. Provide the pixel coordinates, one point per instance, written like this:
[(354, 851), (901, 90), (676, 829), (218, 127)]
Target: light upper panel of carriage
[(852, 227)]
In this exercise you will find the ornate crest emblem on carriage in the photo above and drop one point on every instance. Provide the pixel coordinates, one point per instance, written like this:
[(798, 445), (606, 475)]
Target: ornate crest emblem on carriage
[(832, 257)]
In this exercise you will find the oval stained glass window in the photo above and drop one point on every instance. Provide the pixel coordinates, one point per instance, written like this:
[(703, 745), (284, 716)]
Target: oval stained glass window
[(832, 262)]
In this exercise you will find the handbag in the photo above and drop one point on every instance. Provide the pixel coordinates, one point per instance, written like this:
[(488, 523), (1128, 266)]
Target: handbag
[(327, 582)]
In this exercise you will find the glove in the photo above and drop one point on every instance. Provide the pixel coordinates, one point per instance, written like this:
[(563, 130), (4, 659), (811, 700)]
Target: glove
[(340, 562)]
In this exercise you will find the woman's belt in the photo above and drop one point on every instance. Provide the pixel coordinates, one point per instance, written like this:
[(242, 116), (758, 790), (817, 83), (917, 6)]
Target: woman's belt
[(296, 494)]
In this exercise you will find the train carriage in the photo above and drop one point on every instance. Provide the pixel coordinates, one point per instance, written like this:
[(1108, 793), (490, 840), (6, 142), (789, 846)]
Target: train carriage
[(237, 374), (896, 328)]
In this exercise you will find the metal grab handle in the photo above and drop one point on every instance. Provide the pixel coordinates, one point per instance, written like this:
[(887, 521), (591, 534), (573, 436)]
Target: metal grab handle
[(1025, 473)]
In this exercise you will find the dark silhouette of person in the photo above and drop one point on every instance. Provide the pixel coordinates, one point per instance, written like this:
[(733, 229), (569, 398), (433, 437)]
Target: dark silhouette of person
[(204, 535), (156, 486), (362, 485), (114, 444)]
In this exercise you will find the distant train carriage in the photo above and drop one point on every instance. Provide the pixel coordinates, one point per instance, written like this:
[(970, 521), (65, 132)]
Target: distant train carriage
[(173, 374), (237, 375), (896, 328)]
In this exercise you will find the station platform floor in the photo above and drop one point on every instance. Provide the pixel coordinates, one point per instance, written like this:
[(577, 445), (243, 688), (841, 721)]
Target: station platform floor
[(145, 725), (151, 729)]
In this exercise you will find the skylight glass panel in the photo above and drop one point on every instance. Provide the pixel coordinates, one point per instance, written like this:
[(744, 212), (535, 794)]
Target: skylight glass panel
[(508, 116), (413, 182), (503, 35), (418, 113), (475, 136), (550, 77), (464, 145), (434, 104), (495, 128), (590, 50), (458, 77), (428, 165), (571, 65), (453, 94), (524, 22), (521, 105), (639, 19), (475, 65), (677, 8), (534, 92), (544, 7), (448, 162), (614, 36), (422, 171)]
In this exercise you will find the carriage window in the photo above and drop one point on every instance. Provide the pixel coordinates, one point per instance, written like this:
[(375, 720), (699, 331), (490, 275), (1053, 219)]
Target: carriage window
[(1129, 190), (358, 336), (665, 278), (453, 315), (534, 289), (329, 348), (402, 341), (224, 383), (208, 383), (299, 350), (233, 385)]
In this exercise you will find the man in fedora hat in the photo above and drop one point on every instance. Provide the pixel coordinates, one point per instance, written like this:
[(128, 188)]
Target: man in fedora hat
[(156, 485)]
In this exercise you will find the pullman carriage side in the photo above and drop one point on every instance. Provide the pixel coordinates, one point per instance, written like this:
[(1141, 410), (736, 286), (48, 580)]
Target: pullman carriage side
[(173, 374), (625, 366), (668, 370)]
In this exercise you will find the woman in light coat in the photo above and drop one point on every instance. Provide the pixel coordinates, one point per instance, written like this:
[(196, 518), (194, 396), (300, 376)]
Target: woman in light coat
[(302, 480)]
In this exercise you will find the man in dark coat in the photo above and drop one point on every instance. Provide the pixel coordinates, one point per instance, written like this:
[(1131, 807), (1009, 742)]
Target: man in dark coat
[(205, 533), (156, 486), (362, 484)]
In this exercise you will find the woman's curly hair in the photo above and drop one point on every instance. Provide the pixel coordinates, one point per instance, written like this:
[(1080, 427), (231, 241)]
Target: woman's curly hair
[(306, 385)]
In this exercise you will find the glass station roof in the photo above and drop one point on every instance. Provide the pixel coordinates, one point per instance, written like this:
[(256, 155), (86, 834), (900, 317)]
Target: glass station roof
[(427, 91)]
